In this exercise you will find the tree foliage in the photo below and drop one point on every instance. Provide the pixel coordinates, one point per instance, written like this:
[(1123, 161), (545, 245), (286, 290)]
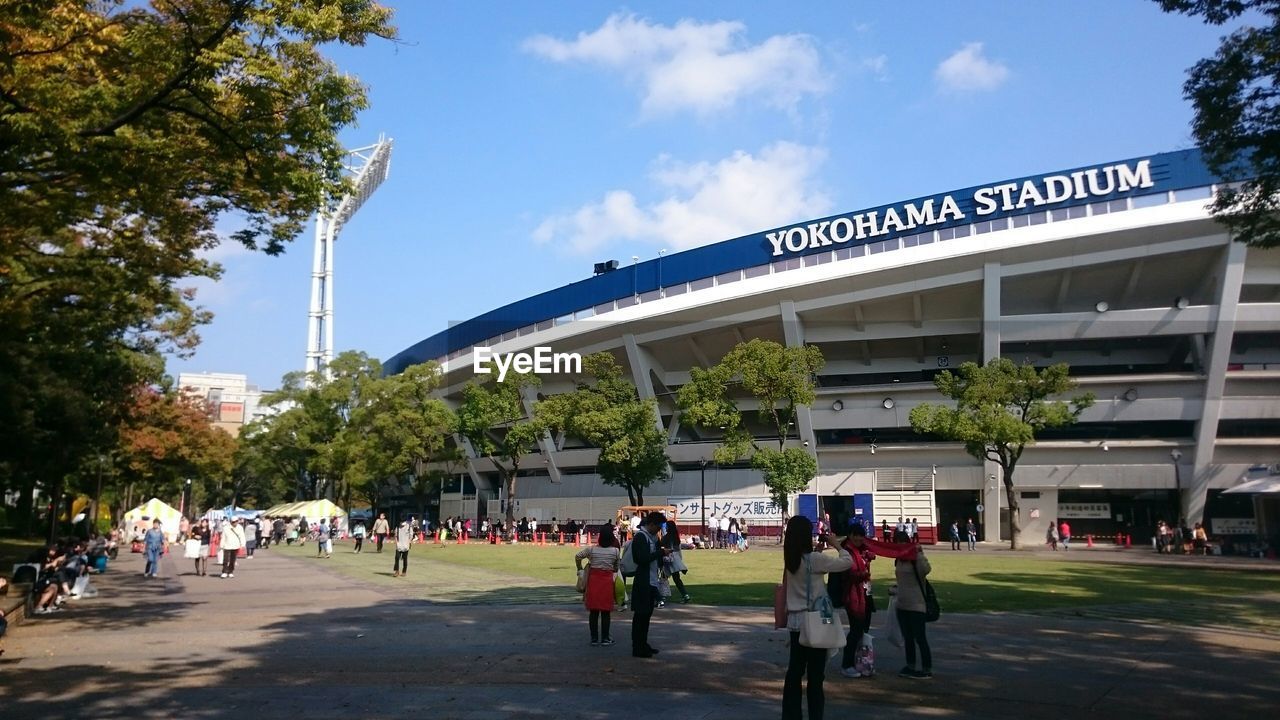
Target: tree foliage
[(1236, 98), (127, 131), (781, 379), (492, 417), (999, 409), (610, 415)]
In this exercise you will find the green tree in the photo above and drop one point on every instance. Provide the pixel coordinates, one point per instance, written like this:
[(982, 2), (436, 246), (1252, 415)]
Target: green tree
[(999, 409), (492, 418), (127, 131), (1236, 124), (401, 427), (781, 379), (610, 415), (318, 422)]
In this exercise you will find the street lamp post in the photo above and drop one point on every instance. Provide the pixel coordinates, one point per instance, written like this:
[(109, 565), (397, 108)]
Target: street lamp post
[(703, 505), (186, 497)]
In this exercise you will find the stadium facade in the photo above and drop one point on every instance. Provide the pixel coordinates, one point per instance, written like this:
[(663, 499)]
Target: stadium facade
[(1117, 269)]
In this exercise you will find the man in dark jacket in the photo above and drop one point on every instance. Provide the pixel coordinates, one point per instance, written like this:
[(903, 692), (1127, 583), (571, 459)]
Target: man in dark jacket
[(647, 554)]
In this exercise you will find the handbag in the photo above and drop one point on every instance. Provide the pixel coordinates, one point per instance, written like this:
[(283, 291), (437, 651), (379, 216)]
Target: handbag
[(582, 579), (820, 628), (932, 611), (780, 603)]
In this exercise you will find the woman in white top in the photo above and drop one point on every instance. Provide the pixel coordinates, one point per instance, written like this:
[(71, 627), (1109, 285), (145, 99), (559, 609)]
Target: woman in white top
[(603, 561), (803, 591)]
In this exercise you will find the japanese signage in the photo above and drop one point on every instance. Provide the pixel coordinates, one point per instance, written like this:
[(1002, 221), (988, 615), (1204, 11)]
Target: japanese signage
[(1233, 526), (743, 508), (1085, 511)]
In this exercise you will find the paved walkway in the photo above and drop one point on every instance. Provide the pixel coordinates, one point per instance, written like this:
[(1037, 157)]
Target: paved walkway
[(286, 639)]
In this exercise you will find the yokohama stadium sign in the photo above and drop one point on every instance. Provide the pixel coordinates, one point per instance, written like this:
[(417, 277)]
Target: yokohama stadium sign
[(989, 202)]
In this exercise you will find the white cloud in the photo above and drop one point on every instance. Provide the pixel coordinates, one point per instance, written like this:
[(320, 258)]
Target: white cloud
[(704, 67), (967, 70), (877, 66), (704, 203)]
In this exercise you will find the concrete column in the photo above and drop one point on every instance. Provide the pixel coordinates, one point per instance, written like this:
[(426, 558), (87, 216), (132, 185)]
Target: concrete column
[(1231, 274), (793, 332), (546, 444), (641, 363), (990, 312)]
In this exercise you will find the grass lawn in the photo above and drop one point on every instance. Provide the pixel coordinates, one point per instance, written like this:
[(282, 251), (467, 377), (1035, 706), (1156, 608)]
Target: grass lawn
[(965, 582)]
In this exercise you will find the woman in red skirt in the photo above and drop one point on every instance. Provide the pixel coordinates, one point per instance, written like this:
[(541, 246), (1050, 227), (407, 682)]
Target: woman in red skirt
[(602, 561)]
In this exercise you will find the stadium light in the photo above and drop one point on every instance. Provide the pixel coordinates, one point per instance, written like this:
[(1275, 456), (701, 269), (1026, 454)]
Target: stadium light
[(366, 168)]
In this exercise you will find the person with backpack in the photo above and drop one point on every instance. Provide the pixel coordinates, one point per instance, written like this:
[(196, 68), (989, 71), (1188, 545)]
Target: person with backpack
[(910, 575), (646, 553)]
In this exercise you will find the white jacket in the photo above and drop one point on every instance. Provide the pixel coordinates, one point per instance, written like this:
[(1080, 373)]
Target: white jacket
[(232, 537)]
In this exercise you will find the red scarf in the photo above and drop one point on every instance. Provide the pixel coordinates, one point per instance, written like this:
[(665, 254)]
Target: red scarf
[(855, 601)]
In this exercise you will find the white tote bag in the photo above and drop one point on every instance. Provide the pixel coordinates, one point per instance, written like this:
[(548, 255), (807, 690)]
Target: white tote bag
[(191, 550), (894, 631), (820, 627)]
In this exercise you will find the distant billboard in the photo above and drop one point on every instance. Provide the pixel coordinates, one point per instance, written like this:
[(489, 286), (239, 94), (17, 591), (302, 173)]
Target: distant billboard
[(232, 412)]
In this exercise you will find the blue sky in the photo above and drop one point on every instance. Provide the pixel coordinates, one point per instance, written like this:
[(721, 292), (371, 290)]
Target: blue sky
[(534, 139)]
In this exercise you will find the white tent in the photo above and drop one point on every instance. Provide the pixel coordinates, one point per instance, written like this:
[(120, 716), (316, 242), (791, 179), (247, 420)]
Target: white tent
[(156, 509)]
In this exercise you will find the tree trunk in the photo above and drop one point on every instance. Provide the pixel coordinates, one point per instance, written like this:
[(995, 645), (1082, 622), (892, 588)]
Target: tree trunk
[(55, 501), (27, 507), (509, 479), (1015, 525)]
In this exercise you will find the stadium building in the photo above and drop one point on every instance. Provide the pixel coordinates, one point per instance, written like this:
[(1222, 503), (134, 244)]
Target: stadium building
[(1117, 269)]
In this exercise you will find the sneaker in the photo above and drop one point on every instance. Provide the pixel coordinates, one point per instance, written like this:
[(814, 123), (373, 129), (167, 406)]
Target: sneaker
[(223, 575), (907, 671), (55, 609), (606, 642), (231, 575), (662, 603), (923, 675), (595, 643), (685, 599), (42, 611), (850, 672)]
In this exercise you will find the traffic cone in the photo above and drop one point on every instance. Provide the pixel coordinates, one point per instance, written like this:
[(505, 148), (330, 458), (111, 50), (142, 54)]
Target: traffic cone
[(1088, 541), (1128, 541), (437, 538)]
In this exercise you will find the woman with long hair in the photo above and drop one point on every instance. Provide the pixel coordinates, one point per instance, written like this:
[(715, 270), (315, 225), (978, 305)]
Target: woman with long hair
[(602, 559), (803, 577), (673, 564), (911, 610)]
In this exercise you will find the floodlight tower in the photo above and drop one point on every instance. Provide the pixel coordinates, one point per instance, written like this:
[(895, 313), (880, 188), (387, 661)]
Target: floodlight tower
[(367, 167)]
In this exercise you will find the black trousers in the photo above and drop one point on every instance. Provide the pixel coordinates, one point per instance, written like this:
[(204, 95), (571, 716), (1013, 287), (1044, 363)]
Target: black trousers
[(229, 561), (401, 555), (381, 537), (643, 599), (359, 542), (857, 628), (599, 621), (913, 634), (804, 662)]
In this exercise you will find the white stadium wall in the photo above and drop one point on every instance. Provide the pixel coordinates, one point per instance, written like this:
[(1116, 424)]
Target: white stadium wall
[(1174, 328)]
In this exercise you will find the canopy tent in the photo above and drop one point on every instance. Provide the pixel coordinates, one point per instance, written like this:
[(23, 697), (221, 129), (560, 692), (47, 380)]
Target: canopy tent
[(231, 511), (309, 509), (156, 509)]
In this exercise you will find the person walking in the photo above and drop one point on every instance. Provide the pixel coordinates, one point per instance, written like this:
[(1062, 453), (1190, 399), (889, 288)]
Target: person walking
[(250, 528), (673, 563), (232, 542), (955, 534), (404, 540), (154, 542), (1064, 534), (205, 534), (1051, 537), (357, 532), (971, 529), (910, 575), (800, 561), (647, 554), (602, 563), (380, 529)]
